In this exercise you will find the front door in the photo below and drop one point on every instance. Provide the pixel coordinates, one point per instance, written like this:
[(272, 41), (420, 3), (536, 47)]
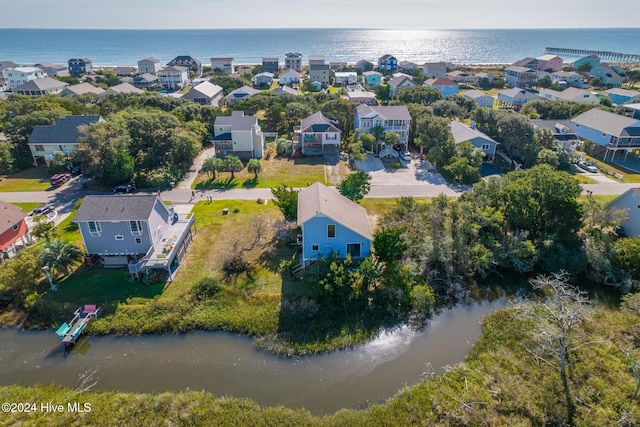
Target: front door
[(353, 249)]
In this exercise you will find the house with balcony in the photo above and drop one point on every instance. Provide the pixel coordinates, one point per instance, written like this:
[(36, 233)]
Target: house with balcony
[(318, 135), (571, 94), (346, 78), (289, 77), (549, 63), (444, 85), (134, 230), (527, 63), (239, 135), (481, 99), (387, 63), (566, 78), (41, 87), (372, 78), (14, 232), (613, 132), (271, 65), (610, 75), (632, 110), (192, 64), (146, 81), (394, 118), (80, 66), (18, 76), (63, 136), (460, 76), (462, 133), (320, 73), (223, 64), (237, 96), (564, 134), (434, 69), (174, 77), (331, 223), (293, 61), (591, 60), (515, 98), (206, 93), (521, 77), (264, 79), (149, 66)]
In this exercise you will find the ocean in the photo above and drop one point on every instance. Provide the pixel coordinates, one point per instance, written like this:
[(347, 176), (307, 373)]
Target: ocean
[(249, 46)]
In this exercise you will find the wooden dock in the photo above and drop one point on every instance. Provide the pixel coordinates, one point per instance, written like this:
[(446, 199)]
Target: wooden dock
[(69, 332), (602, 54)]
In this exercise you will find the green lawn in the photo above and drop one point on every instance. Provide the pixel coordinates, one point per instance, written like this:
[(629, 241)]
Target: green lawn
[(34, 179), (583, 179), (27, 206), (275, 171), (610, 169)]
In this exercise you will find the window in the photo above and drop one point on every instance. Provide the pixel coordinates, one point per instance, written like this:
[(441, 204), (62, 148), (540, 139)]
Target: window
[(94, 228), (39, 147), (15, 227), (331, 231), (135, 227), (119, 237), (315, 247), (485, 147), (354, 249), (138, 240)]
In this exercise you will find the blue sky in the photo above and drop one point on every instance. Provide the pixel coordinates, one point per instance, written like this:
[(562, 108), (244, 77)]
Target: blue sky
[(427, 14)]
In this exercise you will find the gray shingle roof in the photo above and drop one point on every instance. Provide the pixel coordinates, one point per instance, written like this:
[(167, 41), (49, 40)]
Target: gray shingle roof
[(44, 83), (318, 122), (462, 132), (387, 112), (242, 92), (134, 207), (237, 120), (604, 121), (124, 88), (82, 88), (65, 131), (206, 89), (320, 200)]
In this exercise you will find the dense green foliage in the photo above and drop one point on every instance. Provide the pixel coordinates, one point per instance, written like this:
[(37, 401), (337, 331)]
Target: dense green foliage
[(286, 199), (355, 186)]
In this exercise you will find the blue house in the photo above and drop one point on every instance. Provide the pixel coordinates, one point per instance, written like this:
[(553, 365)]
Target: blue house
[(372, 78), (387, 63), (622, 96), (614, 132), (80, 66), (591, 60), (447, 87), (332, 223)]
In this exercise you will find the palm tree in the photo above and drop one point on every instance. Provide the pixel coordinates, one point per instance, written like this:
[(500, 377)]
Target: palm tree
[(44, 228), (233, 164), (212, 165), (60, 255), (255, 167)]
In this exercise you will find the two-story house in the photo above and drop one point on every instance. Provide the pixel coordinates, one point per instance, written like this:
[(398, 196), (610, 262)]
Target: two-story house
[(331, 223), (364, 65), (444, 85), (622, 96), (318, 135), (17, 76), (629, 203), (206, 93), (434, 69), (520, 77), (264, 79), (346, 77), (515, 98), (80, 66), (239, 135), (149, 66), (462, 133), (174, 78), (146, 81), (372, 78), (396, 84), (612, 131), (394, 118), (223, 64), (320, 73), (549, 63), (53, 70), (64, 136), (271, 65), (14, 232), (610, 75), (192, 64), (289, 77), (138, 231), (387, 63)]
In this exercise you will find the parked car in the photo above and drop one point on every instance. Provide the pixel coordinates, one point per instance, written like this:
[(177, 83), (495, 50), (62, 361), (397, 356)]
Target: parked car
[(42, 210), (124, 188), (60, 178), (587, 166), (402, 153), (75, 171)]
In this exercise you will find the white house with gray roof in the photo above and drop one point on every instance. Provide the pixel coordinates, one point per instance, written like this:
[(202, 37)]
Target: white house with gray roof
[(134, 230), (53, 70), (289, 77), (482, 99), (149, 66), (63, 136), (20, 75), (612, 131), (236, 96), (331, 223), (515, 98), (206, 93), (571, 94), (41, 87), (462, 133), (239, 135), (225, 65), (393, 118), (318, 134), (174, 77), (629, 202)]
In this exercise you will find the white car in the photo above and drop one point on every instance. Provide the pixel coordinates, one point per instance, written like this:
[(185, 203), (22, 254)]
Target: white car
[(588, 167), (404, 155)]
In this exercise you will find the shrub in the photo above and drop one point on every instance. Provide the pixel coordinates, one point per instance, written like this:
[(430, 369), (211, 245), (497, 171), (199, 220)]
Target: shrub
[(205, 289)]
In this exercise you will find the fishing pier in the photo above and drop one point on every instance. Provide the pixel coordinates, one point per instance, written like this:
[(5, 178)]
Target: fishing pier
[(69, 332), (602, 54)]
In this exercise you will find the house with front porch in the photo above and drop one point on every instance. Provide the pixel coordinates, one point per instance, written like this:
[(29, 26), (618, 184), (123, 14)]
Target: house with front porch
[(264, 79), (462, 133), (564, 134), (568, 78), (396, 84), (444, 85), (629, 202), (134, 230), (174, 77), (372, 78), (63, 136), (14, 232), (521, 77), (346, 77), (271, 65), (146, 81), (19, 75), (41, 87), (239, 135), (318, 135), (392, 118), (331, 223), (293, 61), (223, 64), (320, 73), (289, 77), (460, 76), (613, 132), (80, 66)]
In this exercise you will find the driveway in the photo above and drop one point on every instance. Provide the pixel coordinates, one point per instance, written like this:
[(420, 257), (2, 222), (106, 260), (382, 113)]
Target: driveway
[(417, 172)]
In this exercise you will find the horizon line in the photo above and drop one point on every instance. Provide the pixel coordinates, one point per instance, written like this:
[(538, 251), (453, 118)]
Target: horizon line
[(320, 28)]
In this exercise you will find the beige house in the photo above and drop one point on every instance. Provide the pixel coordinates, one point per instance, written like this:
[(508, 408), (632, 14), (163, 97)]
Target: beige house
[(206, 93), (223, 64)]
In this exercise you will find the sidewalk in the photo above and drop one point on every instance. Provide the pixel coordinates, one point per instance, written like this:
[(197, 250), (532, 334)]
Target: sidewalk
[(191, 174)]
